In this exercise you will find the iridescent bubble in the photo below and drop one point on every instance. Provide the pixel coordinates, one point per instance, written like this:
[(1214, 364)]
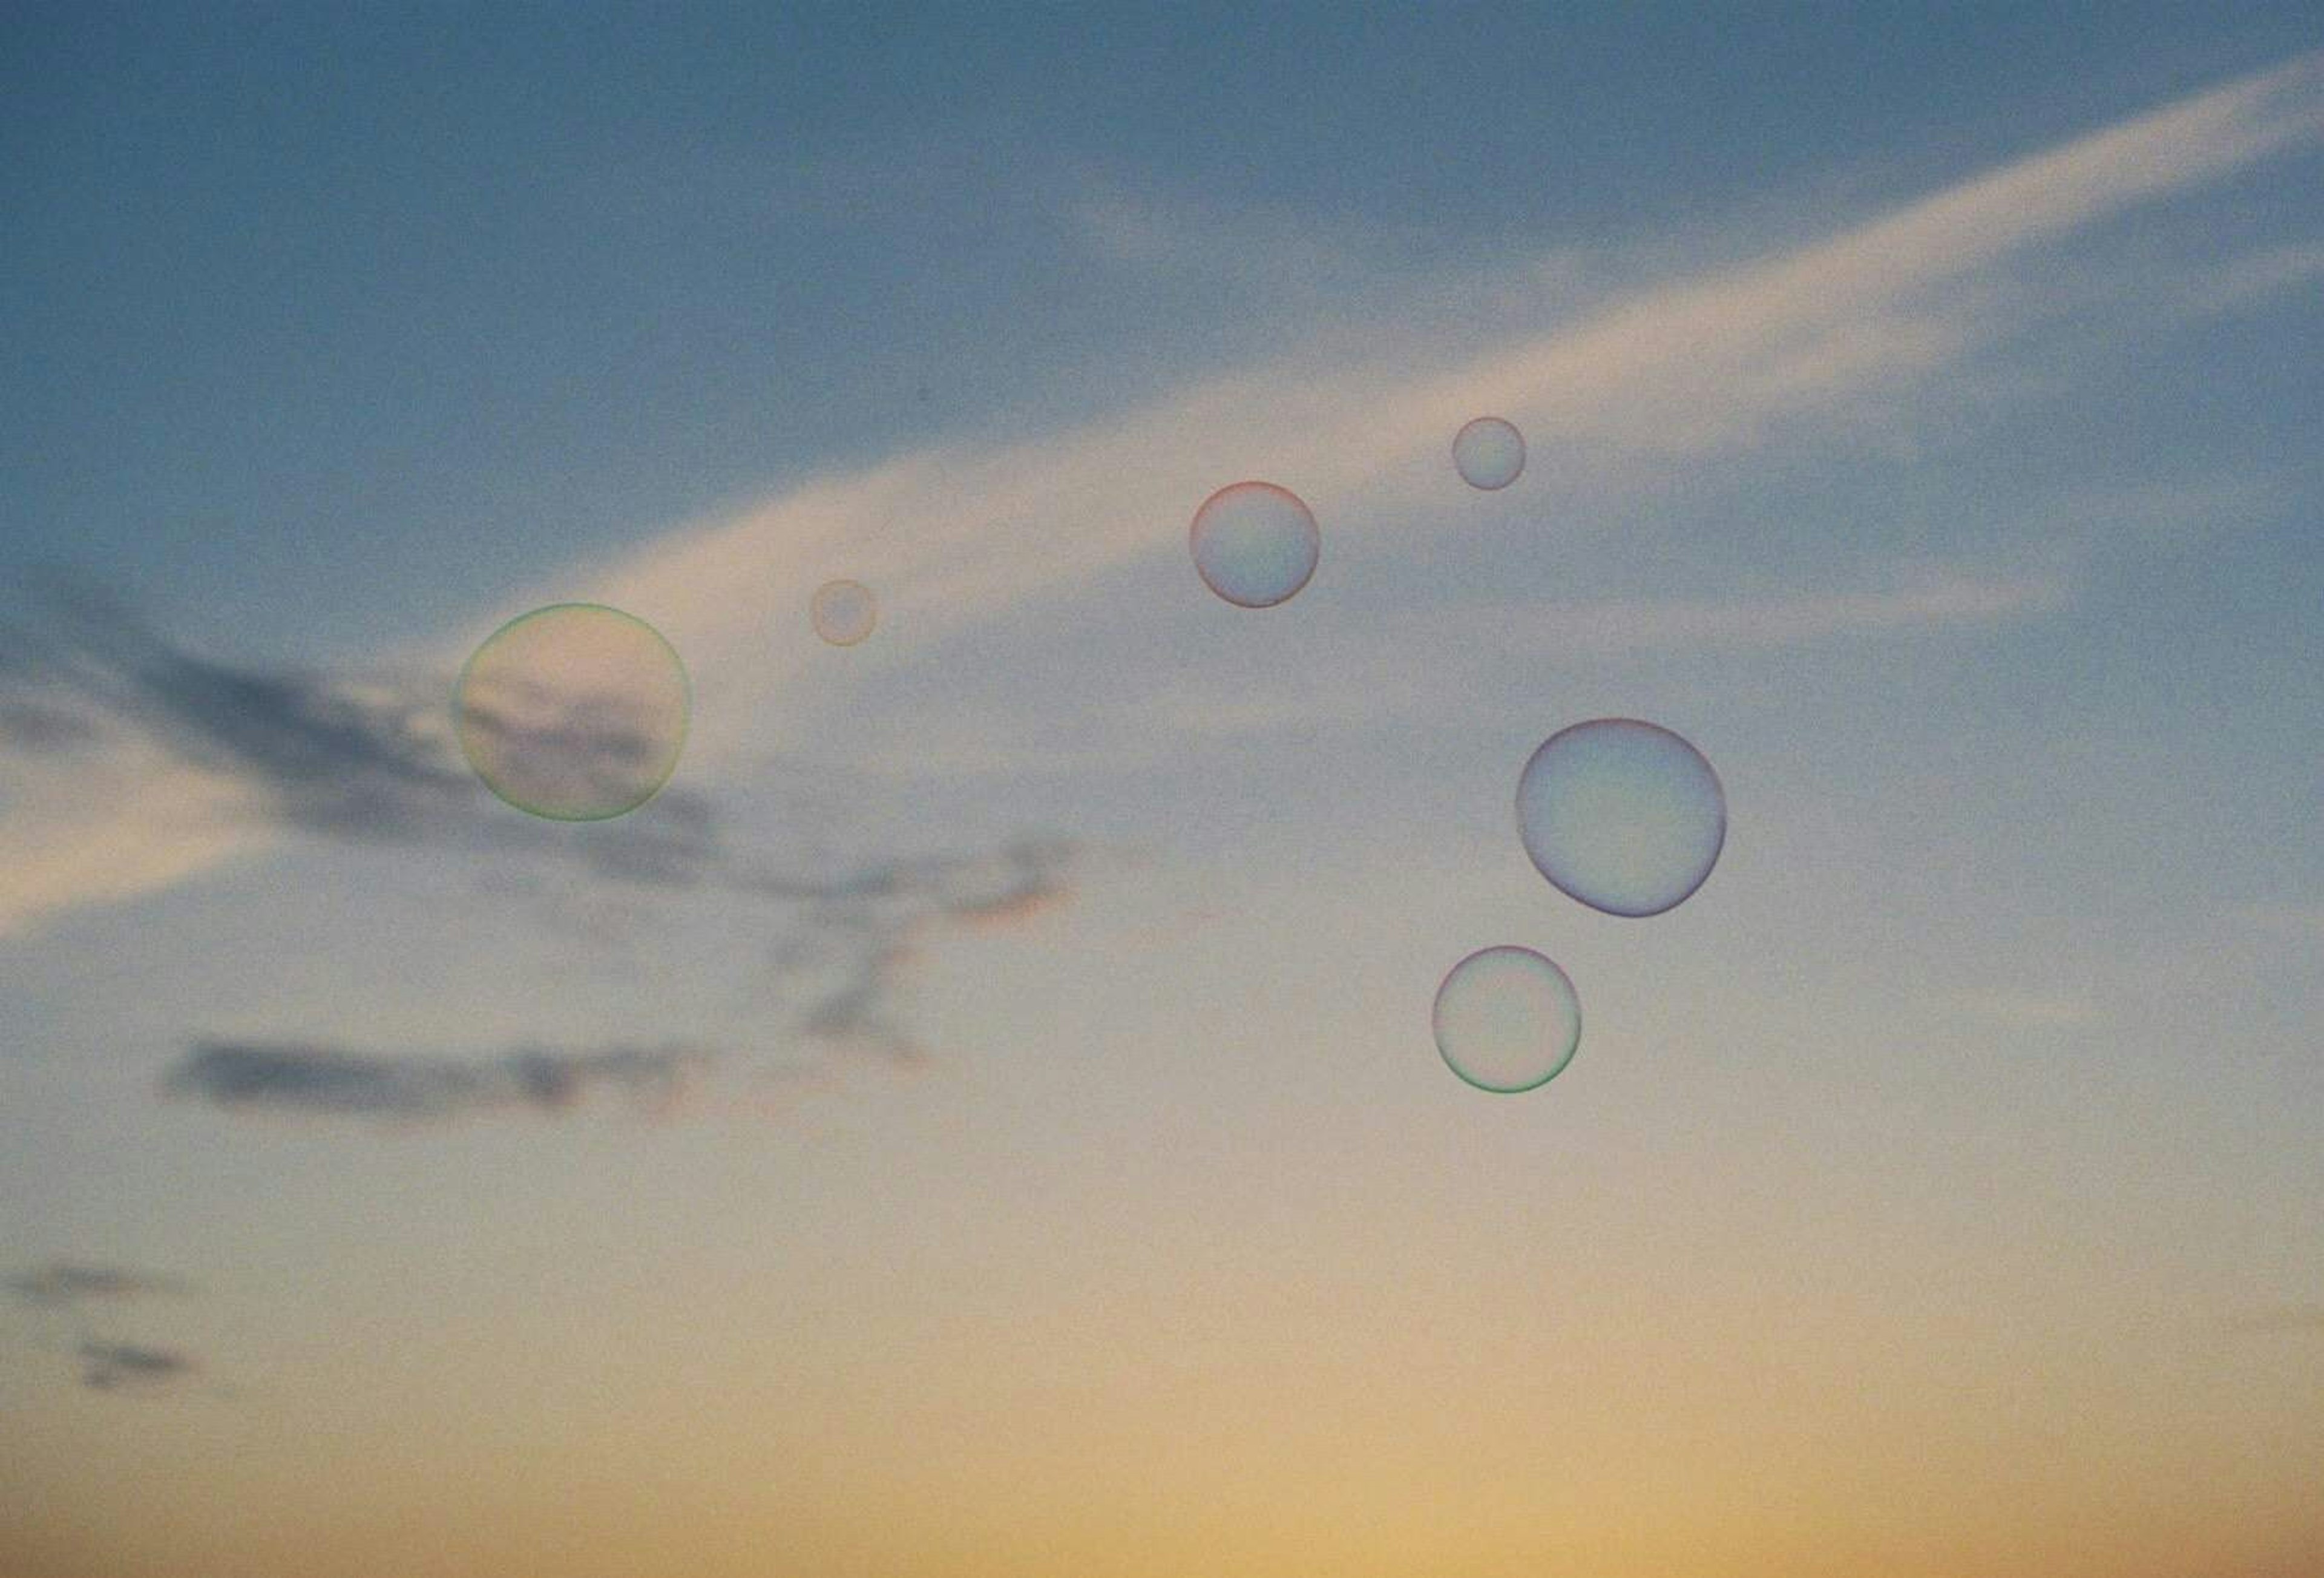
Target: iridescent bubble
[(1489, 452), (1507, 1019), (843, 612), (1624, 816), (1255, 544), (575, 712)]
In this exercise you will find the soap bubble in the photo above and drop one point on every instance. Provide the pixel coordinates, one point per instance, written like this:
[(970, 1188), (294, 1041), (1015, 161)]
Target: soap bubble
[(1489, 452), (843, 612), (1255, 544), (574, 712), (1622, 814), (1507, 1019)]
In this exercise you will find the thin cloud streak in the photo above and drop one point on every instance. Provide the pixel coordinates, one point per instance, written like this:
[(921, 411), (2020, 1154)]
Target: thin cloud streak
[(307, 1077), (1692, 370), (109, 1367), (67, 1283)]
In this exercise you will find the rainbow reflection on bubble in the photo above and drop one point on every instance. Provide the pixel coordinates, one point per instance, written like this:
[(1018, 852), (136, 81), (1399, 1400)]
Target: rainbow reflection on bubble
[(1507, 1019), (1624, 816), (1488, 453), (843, 612), (575, 712), (1255, 544)]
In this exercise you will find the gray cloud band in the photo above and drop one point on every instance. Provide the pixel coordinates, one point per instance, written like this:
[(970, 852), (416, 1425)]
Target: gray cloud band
[(372, 762)]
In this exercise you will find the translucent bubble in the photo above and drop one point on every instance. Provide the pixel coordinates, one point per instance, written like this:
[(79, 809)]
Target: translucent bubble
[(1507, 1019), (1624, 816), (1489, 452), (1255, 544), (575, 712), (843, 612)]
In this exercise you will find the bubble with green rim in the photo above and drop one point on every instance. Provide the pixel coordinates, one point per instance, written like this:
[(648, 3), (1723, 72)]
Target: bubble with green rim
[(1507, 1019), (575, 712)]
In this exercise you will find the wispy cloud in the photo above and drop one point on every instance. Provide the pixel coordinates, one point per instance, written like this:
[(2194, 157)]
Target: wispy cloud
[(1861, 322), (68, 1284), (1687, 372), (306, 1077), (364, 758), (361, 759), (109, 1367), (839, 969), (868, 927), (86, 1296)]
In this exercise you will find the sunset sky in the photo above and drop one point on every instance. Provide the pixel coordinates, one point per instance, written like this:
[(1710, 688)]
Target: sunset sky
[(982, 1119)]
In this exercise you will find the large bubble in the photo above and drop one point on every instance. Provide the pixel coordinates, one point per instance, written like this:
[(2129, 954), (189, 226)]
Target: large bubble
[(575, 712), (1489, 452), (843, 612), (1255, 544), (1507, 1019), (1622, 814)]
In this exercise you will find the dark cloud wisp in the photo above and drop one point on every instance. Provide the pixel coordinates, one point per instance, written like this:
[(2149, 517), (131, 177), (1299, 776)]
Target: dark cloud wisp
[(66, 1284), (371, 759), (132, 1366), (307, 1077)]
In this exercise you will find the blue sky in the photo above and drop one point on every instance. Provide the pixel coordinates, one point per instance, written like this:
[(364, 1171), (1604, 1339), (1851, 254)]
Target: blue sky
[(462, 296), (981, 1117)]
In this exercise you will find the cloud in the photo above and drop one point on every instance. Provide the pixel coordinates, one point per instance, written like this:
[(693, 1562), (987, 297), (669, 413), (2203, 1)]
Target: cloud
[(1836, 332), (133, 1367), (300, 1076), (1839, 331), (868, 925), (76, 1292), (67, 1283), (361, 759), (370, 759), (855, 934)]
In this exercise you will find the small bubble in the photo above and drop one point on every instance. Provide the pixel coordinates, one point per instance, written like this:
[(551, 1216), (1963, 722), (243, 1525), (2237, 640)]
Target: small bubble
[(1489, 452), (1624, 816), (843, 612), (1507, 1019), (575, 712), (1255, 544)]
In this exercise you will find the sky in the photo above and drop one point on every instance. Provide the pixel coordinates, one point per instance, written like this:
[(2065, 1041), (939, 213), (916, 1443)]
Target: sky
[(981, 1117)]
